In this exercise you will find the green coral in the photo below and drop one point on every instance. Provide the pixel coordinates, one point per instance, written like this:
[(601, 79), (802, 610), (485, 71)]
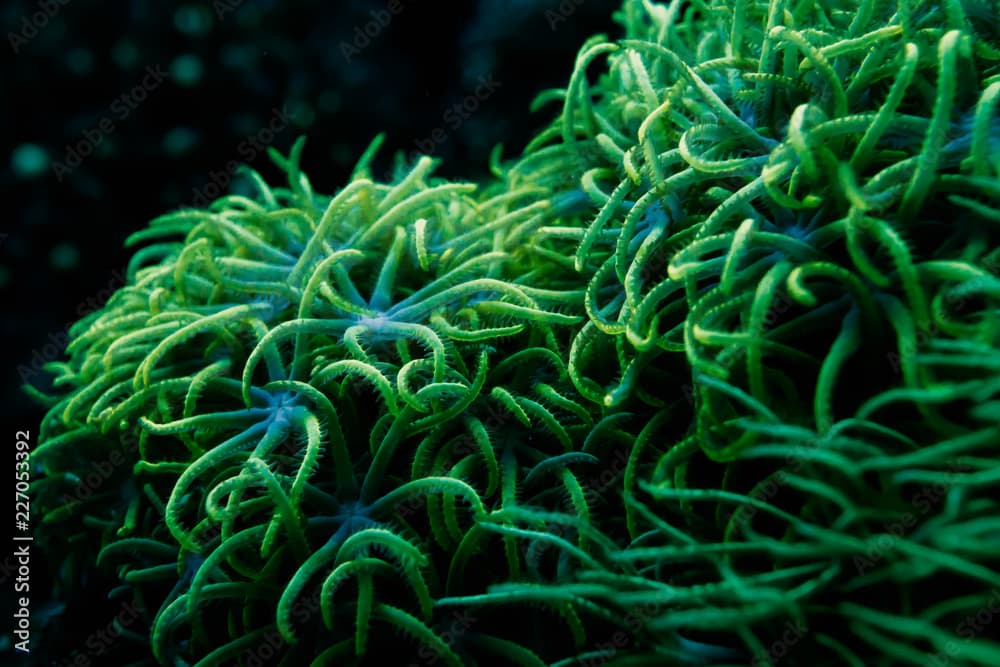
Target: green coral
[(716, 355)]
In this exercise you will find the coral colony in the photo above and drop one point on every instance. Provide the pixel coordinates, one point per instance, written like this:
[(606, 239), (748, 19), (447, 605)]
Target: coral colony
[(709, 375)]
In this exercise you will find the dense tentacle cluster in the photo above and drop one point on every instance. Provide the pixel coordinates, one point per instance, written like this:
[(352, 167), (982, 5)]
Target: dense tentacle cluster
[(299, 369), (795, 235), (717, 357)]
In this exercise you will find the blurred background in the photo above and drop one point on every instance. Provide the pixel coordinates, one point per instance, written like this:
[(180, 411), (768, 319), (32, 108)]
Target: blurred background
[(116, 112)]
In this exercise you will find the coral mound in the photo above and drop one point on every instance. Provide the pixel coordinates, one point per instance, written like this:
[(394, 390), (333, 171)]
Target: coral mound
[(709, 375)]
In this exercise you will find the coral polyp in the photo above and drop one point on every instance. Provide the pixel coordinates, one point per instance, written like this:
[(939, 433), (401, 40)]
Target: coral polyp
[(711, 370)]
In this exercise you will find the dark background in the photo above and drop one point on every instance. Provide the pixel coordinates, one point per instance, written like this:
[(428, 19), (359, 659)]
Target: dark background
[(84, 167)]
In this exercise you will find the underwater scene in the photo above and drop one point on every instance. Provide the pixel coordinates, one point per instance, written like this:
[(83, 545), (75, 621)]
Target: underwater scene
[(528, 333)]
